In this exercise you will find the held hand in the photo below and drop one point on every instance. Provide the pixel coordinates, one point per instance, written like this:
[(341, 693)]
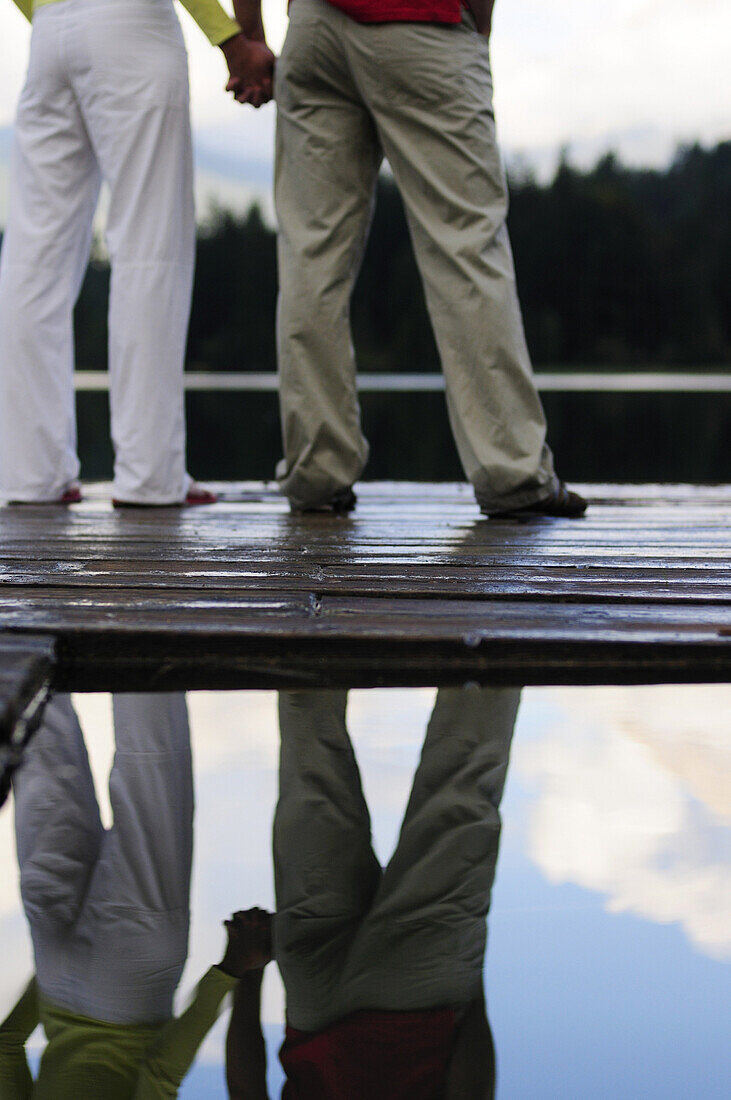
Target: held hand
[(249, 942), (251, 68)]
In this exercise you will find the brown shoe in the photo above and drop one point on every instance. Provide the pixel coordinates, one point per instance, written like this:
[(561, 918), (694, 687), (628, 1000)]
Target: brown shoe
[(563, 503), (338, 505)]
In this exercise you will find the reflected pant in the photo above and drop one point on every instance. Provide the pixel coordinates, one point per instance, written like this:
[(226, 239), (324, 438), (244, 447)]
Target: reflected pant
[(105, 98), (108, 909), (349, 93), (349, 935)]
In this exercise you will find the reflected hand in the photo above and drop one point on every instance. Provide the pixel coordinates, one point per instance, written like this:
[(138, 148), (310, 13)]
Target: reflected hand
[(249, 942), (251, 69)]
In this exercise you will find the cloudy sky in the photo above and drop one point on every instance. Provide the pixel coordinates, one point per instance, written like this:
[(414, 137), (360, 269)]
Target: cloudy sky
[(631, 799), (637, 75)]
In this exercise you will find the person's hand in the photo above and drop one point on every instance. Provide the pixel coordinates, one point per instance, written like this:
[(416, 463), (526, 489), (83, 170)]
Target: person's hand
[(251, 69), (249, 942)]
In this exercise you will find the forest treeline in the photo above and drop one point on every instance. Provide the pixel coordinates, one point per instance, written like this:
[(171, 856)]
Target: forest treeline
[(616, 266)]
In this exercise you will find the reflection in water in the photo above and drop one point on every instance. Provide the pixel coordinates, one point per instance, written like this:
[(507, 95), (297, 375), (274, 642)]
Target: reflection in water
[(633, 799), (611, 916), (108, 910), (382, 968)]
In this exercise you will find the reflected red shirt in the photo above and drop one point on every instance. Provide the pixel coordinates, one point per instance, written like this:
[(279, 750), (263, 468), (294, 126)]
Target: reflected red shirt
[(401, 11), (371, 1056)]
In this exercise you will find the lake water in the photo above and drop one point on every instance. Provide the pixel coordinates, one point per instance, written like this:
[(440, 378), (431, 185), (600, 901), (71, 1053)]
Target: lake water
[(607, 969)]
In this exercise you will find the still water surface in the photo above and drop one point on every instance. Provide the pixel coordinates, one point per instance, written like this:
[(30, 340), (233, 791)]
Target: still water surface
[(610, 927)]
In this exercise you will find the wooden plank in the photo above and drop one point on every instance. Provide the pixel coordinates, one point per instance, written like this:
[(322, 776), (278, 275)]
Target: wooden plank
[(363, 542), (239, 665), (183, 640), (432, 502), (458, 492), (566, 583), (245, 522), (93, 609)]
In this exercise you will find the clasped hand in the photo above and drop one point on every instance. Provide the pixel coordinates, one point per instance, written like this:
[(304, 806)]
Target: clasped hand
[(249, 944), (251, 69)]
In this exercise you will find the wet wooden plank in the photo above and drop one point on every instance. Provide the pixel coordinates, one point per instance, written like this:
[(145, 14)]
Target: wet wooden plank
[(274, 613), (415, 587), (546, 581), (181, 639)]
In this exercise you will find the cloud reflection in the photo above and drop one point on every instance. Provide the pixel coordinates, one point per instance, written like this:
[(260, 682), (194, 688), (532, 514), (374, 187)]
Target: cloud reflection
[(633, 802)]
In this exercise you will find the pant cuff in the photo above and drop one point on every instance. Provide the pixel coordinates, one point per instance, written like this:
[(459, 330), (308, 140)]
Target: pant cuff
[(541, 492)]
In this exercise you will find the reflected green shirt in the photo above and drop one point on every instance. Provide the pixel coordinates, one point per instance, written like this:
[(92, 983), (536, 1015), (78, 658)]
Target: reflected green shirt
[(85, 1057), (208, 14)]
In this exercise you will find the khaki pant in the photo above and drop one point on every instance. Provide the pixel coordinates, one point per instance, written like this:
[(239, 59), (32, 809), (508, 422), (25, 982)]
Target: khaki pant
[(349, 935), (421, 94)]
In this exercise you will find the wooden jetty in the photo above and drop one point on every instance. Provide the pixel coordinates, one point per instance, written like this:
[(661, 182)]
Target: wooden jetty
[(413, 588)]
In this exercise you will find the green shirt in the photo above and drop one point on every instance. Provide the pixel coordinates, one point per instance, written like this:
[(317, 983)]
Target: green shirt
[(85, 1057), (208, 14)]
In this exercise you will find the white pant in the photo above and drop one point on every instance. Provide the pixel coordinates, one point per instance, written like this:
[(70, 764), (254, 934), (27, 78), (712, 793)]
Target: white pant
[(106, 98), (108, 909)]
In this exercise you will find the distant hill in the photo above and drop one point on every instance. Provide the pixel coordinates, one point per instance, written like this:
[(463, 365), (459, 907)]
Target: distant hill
[(223, 178), (228, 176)]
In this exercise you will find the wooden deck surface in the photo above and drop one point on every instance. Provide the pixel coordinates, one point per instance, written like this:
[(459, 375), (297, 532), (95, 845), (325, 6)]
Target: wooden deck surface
[(413, 588)]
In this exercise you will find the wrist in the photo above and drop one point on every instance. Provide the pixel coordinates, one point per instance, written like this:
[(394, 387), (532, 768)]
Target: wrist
[(254, 31), (247, 994), (248, 17), (249, 975), (229, 45), (253, 978)]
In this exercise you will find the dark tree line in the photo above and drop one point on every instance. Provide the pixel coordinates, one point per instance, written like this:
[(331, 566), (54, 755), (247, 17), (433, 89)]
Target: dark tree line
[(616, 266), (623, 266)]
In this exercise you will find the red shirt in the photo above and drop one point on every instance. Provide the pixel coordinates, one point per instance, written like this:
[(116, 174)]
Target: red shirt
[(401, 11), (381, 1055)]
